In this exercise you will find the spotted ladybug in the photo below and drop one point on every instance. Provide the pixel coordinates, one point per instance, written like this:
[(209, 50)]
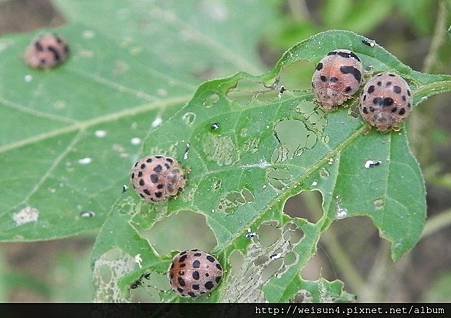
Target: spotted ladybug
[(386, 101), (194, 272), (157, 178), (336, 78), (46, 52)]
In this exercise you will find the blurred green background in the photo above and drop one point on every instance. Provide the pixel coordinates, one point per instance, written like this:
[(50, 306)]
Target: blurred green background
[(416, 31)]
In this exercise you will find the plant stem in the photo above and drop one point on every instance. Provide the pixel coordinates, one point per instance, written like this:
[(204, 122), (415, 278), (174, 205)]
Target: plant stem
[(341, 259), (437, 223), (438, 37)]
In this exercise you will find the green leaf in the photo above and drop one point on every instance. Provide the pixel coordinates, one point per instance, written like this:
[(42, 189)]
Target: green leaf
[(68, 135), (268, 148)]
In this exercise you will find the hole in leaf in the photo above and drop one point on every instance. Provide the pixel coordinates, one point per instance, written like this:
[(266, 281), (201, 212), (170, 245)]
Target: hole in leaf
[(149, 286), (305, 205), (185, 230)]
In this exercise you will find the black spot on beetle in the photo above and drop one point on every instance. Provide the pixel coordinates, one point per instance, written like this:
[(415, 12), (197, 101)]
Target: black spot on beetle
[(370, 89), (388, 84), (181, 281), (158, 194), (143, 166), (196, 275), (195, 287), (133, 175), (158, 168), (402, 111), (371, 109), (379, 83), (160, 186), (404, 97), (319, 66), (348, 89), (196, 264), (149, 160), (394, 109), (180, 290), (323, 78), (38, 46), (408, 92), (351, 70), (408, 105), (141, 182), (209, 285), (182, 265), (365, 110), (397, 89), (377, 100), (218, 279), (154, 178), (158, 157), (333, 79), (140, 174), (182, 258), (192, 294), (146, 191), (332, 53), (210, 258), (167, 165), (197, 254), (218, 266), (388, 101), (55, 53), (392, 75), (364, 97)]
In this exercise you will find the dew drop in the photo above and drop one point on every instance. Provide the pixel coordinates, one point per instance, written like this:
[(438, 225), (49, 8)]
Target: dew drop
[(189, 118), (28, 78)]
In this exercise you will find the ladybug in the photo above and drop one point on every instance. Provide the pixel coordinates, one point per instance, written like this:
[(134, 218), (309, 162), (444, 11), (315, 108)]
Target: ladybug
[(336, 78), (157, 178), (194, 272), (47, 51), (386, 101)]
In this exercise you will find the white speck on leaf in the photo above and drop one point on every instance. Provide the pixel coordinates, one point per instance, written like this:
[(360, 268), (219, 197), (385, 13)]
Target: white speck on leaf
[(135, 141), (26, 215), (87, 214), (138, 260), (85, 161), (162, 92), (89, 34), (372, 163), (28, 78), (100, 133), (157, 122)]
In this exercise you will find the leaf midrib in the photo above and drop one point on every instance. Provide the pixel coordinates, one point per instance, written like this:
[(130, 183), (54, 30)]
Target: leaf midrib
[(83, 125)]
